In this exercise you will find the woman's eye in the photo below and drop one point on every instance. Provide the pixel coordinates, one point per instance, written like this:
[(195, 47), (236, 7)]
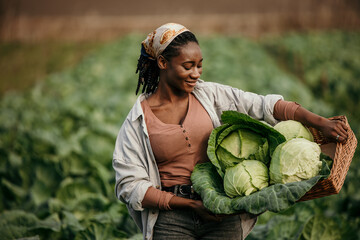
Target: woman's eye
[(187, 67)]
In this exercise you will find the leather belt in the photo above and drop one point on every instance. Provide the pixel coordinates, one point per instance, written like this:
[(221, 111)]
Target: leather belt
[(182, 191)]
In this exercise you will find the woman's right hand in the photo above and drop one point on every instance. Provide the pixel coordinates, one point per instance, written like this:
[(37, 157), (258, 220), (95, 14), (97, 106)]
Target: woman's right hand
[(203, 212), (195, 205)]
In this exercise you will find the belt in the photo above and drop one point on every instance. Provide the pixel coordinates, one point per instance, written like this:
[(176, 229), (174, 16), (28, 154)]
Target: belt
[(186, 191)]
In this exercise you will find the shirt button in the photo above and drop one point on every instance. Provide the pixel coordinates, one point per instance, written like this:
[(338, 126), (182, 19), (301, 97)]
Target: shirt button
[(187, 138), (189, 145), (184, 131)]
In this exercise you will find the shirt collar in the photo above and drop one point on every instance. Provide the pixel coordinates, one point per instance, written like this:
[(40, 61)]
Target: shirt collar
[(138, 111)]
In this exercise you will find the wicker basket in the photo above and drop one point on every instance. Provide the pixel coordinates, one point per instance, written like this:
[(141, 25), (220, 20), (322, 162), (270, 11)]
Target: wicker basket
[(342, 155)]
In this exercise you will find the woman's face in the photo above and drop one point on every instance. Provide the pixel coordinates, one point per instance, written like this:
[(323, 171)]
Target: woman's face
[(182, 72)]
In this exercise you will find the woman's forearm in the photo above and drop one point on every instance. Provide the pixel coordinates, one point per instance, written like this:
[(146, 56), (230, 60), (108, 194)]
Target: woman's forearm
[(152, 199), (331, 129), (155, 198), (182, 203), (309, 119)]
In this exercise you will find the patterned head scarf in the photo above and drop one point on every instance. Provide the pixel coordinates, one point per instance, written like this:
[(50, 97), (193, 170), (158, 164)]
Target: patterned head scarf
[(158, 40)]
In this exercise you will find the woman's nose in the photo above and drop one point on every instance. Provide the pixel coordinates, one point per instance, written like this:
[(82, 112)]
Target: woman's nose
[(195, 74)]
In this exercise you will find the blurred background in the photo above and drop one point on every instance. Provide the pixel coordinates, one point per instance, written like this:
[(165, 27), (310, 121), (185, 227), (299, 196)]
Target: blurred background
[(68, 81)]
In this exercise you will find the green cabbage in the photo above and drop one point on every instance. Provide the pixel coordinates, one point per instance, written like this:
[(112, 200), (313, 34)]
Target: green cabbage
[(209, 179), (242, 144), (293, 129), (275, 198), (245, 178), (295, 160), (241, 137)]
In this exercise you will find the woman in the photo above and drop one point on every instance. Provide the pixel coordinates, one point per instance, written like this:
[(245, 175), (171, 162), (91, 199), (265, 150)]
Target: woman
[(165, 135)]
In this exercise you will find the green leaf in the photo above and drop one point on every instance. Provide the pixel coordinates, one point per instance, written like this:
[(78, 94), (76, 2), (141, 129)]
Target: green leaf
[(99, 231), (236, 118), (284, 228), (71, 222), (15, 189), (72, 189), (234, 121), (15, 160), (17, 224), (275, 198), (30, 238), (40, 192), (212, 146), (321, 228)]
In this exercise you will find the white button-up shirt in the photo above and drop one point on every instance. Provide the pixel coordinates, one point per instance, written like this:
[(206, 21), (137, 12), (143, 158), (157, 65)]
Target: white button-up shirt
[(134, 161)]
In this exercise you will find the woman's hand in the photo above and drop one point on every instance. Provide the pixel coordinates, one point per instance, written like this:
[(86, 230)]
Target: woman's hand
[(335, 129), (204, 213), (196, 205), (332, 129)]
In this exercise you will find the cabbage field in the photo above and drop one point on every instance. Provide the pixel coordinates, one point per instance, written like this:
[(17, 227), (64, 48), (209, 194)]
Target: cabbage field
[(57, 139)]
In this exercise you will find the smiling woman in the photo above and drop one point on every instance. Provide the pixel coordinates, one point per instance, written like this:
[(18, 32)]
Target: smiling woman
[(183, 71), (166, 133)]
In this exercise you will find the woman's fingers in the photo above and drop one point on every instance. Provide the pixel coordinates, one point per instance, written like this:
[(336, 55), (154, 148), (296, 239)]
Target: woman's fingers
[(204, 213), (342, 127), (208, 216), (340, 131), (340, 139)]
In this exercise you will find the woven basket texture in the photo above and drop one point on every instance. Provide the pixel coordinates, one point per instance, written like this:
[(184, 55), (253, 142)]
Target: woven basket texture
[(342, 155)]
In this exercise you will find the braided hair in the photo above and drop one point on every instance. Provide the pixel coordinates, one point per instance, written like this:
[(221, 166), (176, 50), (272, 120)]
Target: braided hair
[(147, 67)]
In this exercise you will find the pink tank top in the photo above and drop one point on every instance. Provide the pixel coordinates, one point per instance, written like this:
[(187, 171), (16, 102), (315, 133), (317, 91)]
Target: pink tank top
[(178, 148)]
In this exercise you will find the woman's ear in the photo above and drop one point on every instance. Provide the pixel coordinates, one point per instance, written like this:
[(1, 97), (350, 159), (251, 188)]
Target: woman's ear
[(162, 62)]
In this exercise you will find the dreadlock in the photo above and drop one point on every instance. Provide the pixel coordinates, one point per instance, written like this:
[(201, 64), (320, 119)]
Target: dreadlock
[(148, 69), (148, 74)]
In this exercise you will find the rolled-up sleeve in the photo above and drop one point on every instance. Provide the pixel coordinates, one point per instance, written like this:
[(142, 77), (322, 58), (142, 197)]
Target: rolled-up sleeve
[(132, 177), (268, 107)]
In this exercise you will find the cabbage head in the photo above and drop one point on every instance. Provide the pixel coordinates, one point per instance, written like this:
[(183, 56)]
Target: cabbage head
[(293, 129), (245, 178), (242, 144), (241, 138), (208, 178), (295, 160)]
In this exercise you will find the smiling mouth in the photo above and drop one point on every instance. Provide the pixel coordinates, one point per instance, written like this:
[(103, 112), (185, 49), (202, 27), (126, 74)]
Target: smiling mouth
[(192, 83)]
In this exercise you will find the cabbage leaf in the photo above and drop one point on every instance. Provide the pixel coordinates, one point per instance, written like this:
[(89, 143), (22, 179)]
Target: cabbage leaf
[(275, 198), (233, 123)]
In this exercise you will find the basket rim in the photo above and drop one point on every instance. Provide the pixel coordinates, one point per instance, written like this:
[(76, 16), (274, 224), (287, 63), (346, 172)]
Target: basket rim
[(343, 155)]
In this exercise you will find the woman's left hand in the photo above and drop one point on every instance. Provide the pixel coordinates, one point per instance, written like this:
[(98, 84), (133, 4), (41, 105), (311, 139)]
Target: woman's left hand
[(335, 130)]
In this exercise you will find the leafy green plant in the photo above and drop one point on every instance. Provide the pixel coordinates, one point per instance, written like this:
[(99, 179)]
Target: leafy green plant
[(234, 121), (245, 178), (55, 151), (295, 160), (56, 140), (276, 198), (301, 222), (293, 129), (238, 189)]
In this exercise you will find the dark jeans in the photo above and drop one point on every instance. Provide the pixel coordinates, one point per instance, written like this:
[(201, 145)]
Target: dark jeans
[(186, 224)]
